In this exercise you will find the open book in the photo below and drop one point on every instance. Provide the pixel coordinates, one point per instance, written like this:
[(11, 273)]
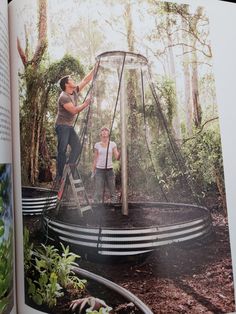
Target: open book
[(117, 166)]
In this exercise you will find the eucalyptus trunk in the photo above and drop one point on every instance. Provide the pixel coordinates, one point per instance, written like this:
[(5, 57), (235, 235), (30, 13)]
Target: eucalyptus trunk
[(131, 96), (32, 113), (188, 102), (175, 122), (197, 111)]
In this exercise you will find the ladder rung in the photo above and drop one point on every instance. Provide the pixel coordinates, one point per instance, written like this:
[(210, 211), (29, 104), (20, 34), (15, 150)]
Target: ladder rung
[(79, 189), (77, 181), (83, 209)]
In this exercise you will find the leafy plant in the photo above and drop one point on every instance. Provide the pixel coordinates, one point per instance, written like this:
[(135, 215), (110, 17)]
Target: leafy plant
[(2, 228), (28, 250), (204, 156), (52, 271), (6, 270), (3, 304), (65, 274), (45, 290)]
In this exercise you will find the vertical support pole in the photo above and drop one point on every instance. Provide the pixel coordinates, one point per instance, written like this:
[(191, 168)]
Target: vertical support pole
[(124, 167)]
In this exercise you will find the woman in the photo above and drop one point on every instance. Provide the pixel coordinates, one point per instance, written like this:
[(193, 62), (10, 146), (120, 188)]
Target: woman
[(103, 167)]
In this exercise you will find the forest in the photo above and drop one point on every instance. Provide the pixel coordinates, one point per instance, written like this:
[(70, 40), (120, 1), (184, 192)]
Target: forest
[(176, 41)]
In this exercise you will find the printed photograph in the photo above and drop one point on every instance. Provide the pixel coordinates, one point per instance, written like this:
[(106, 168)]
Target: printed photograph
[(6, 240), (123, 195)]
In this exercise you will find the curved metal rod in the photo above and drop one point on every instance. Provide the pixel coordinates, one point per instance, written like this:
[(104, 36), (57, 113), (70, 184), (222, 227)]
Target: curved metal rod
[(120, 53), (113, 286)]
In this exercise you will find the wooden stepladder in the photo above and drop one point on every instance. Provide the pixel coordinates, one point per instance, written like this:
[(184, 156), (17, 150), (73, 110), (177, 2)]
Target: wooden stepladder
[(72, 182)]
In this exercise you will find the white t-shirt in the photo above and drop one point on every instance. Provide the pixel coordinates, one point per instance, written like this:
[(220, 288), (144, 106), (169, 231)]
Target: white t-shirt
[(102, 155)]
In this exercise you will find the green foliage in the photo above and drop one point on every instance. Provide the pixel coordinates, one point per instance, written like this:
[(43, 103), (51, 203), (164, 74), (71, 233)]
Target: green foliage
[(65, 274), (169, 175), (192, 171), (3, 304), (5, 187), (6, 270), (52, 272), (2, 227), (168, 92), (68, 65), (39, 92), (28, 249), (204, 158), (1, 205), (6, 238), (45, 290)]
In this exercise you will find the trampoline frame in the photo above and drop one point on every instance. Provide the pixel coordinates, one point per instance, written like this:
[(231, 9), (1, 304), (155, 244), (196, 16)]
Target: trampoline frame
[(116, 241)]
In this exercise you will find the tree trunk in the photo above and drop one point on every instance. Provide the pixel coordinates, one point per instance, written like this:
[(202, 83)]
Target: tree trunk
[(131, 95), (197, 111), (175, 118), (188, 103), (33, 100)]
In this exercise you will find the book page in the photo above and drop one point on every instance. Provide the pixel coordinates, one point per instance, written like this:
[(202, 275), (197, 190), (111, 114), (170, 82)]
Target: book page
[(123, 150), (7, 284)]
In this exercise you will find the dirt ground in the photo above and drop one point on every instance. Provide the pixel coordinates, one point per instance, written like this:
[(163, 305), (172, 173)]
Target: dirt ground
[(194, 278), (180, 279)]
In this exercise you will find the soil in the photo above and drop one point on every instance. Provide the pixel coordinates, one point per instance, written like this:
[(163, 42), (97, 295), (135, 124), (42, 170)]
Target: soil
[(110, 216), (194, 278)]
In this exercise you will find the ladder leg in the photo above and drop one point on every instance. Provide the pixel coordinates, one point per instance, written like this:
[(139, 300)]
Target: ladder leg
[(72, 178)]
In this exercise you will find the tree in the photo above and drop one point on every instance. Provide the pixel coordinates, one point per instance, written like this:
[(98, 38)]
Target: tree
[(35, 101), (197, 110), (175, 117), (39, 82), (195, 43), (188, 104)]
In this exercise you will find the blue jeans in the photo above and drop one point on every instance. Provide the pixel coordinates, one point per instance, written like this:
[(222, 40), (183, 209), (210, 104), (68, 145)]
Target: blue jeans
[(66, 135), (104, 178)]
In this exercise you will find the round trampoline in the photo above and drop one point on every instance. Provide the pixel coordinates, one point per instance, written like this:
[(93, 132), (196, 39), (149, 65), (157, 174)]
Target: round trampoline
[(146, 229)]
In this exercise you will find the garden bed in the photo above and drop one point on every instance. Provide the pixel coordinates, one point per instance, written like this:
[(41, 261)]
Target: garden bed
[(139, 215)]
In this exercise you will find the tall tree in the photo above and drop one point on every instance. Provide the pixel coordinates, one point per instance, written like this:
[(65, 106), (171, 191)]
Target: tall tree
[(197, 110), (132, 95), (31, 121), (39, 83), (188, 103), (175, 118)]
